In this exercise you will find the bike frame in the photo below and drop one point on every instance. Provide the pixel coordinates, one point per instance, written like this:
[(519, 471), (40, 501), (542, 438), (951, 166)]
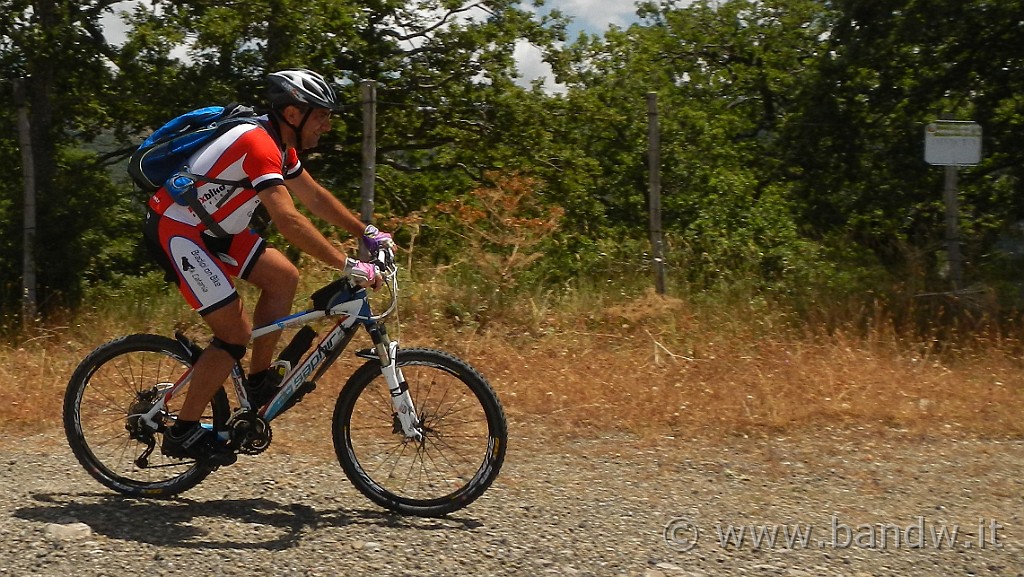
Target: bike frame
[(353, 313), (352, 305)]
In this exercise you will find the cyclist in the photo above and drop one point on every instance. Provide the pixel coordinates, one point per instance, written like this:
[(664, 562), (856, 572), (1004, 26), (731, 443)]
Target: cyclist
[(265, 156)]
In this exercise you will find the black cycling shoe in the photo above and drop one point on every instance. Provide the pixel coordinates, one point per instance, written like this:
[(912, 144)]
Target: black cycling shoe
[(197, 443)]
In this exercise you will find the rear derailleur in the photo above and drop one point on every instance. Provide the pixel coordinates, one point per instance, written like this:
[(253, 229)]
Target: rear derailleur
[(138, 428)]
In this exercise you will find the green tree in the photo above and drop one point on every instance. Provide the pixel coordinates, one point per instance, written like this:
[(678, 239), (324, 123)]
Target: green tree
[(58, 48), (442, 65), (724, 74), (886, 70), (793, 131)]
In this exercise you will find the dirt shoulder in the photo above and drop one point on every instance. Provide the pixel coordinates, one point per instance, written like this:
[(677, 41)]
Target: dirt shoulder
[(831, 502)]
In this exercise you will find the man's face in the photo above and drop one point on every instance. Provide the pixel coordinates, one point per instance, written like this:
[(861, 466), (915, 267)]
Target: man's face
[(317, 124)]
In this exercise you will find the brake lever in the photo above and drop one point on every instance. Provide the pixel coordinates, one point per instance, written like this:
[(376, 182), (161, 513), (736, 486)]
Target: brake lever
[(385, 259)]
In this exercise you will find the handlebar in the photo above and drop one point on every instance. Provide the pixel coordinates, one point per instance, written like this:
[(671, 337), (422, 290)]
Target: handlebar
[(344, 288)]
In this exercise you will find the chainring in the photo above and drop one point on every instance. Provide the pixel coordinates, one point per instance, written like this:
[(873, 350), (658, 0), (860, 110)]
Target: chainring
[(250, 432)]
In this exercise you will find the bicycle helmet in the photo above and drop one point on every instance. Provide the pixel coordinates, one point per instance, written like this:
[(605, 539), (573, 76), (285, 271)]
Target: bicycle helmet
[(300, 87)]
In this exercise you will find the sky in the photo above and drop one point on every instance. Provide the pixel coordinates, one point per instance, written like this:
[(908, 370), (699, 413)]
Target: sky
[(595, 16)]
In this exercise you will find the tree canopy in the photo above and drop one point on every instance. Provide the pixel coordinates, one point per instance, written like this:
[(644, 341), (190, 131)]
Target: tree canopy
[(792, 132)]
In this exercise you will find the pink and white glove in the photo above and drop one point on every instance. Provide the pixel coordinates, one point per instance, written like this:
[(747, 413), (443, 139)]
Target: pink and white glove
[(375, 239), (363, 273)]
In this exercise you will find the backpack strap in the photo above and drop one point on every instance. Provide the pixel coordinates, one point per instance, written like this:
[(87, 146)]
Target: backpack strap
[(182, 188), (211, 225), (197, 207), (244, 183)]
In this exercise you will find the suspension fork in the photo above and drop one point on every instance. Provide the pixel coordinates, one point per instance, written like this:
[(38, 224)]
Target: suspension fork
[(401, 400)]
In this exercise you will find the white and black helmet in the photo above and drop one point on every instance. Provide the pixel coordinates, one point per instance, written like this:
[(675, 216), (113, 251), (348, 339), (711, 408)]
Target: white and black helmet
[(300, 87)]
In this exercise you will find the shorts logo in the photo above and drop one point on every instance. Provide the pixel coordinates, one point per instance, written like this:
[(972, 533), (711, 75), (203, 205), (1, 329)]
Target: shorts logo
[(199, 271)]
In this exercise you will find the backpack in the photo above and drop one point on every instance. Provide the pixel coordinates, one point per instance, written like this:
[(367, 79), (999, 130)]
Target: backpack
[(160, 159)]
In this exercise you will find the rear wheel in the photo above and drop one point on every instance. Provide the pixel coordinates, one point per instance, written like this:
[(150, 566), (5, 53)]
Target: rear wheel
[(463, 426), (109, 389)]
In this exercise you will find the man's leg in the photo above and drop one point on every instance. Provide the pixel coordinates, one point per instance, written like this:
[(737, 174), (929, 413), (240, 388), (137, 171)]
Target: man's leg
[(204, 280), (214, 365), (187, 439), (277, 279)]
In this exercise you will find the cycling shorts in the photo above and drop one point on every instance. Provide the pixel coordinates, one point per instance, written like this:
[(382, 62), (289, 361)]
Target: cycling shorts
[(201, 265)]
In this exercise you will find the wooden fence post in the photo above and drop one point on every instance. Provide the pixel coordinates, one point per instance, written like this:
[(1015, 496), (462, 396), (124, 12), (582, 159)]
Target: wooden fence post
[(368, 99), (29, 297), (654, 201)]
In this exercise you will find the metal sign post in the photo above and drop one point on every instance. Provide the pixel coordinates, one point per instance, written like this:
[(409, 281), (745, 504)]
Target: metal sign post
[(953, 143)]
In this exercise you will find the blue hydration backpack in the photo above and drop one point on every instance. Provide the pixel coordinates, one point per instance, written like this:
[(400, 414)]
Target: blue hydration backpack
[(161, 159)]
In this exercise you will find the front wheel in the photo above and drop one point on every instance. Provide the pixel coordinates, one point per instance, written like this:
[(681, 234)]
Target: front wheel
[(463, 426), (110, 388)]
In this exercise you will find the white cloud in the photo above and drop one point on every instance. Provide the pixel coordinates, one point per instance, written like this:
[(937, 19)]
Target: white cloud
[(115, 30), (531, 66), (113, 25)]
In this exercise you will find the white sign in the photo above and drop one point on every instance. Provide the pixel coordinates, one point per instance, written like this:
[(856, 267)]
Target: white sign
[(952, 143)]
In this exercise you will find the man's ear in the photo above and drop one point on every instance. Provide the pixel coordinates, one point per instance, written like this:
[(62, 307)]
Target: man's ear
[(292, 114)]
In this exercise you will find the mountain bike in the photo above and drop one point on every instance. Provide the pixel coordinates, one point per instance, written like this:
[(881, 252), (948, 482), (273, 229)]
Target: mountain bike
[(417, 431)]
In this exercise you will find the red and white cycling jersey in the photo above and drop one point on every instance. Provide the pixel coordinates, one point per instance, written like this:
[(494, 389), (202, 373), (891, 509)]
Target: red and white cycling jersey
[(246, 152)]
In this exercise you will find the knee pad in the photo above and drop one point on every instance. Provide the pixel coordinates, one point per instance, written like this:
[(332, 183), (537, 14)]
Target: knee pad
[(237, 352)]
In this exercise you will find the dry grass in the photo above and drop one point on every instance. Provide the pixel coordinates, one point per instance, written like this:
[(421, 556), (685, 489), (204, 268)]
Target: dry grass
[(653, 367), (647, 365)]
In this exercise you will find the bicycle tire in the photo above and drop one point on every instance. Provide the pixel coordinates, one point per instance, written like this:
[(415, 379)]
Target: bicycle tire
[(454, 404), (97, 405)]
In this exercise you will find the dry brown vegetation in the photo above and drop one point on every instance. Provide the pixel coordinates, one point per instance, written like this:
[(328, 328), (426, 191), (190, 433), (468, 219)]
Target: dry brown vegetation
[(589, 365)]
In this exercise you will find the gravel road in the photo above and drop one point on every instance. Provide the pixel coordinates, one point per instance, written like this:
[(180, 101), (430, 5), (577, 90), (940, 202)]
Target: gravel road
[(852, 503)]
